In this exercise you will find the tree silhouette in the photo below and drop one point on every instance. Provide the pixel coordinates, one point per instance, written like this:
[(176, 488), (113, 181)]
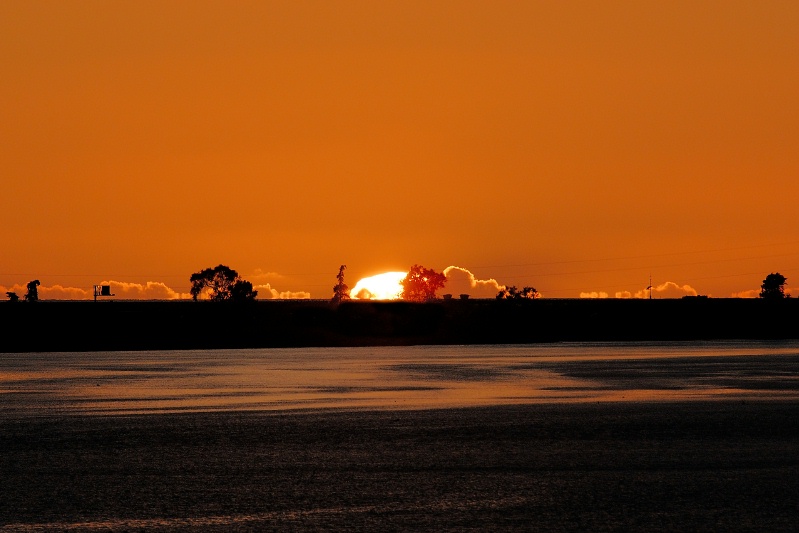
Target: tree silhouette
[(12, 296), (221, 283), (340, 291), (512, 293), (33, 292), (242, 291), (773, 287), (421, 284)]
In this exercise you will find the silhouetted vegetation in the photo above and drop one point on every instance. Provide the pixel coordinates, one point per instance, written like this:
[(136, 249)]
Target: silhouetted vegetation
[(242, 291), (12, 296), (33, 292), (773, 287), (221, 283), (340, 291), (512, 293), (421, 284)]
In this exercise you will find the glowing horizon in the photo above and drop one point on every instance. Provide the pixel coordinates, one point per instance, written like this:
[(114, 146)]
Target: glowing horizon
[(383, 286)]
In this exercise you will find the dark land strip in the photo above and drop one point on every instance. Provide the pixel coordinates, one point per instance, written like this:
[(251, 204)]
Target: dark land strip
[(150, 325), (692, 466)]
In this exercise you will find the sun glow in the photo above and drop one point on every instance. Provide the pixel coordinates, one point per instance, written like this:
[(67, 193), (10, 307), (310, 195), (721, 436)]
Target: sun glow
[(385, 286)]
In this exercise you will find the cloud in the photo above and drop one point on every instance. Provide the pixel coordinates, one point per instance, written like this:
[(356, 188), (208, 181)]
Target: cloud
[(260, 274), (152, 290), (462, 281), (755, 293), (668, 289), (58, 292), (266, 292), (17, 288), (54, 292)]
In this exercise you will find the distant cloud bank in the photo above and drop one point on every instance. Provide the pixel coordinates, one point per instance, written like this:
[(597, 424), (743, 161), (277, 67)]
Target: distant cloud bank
[(266, 292), (151, 290), (595, 294), (668, 289), (459, 281), (462, 281), (755, 293), (53, 292)]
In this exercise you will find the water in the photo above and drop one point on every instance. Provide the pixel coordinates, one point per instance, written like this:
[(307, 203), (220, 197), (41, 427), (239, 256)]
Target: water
[(378, 378), (564, 437)]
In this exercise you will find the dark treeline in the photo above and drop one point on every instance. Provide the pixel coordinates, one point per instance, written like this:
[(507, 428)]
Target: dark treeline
[(132, 325)]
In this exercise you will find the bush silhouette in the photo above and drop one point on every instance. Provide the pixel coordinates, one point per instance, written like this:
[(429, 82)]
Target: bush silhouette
[(773, 287), (221, 283)]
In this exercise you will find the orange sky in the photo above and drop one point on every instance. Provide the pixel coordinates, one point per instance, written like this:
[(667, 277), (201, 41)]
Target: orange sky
[(572, 146)]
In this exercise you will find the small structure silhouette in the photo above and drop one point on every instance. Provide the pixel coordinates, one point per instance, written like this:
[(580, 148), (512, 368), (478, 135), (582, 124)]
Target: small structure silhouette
[(102, 290)]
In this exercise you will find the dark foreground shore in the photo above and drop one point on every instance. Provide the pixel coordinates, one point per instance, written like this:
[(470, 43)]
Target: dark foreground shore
[(694, 466), (150, 325)]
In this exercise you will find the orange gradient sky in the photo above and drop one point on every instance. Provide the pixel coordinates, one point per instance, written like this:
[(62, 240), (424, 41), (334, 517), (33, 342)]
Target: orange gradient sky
[(577, 147)]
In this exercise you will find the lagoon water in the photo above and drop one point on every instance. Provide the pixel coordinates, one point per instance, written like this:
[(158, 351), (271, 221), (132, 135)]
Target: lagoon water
[(416, 377), (562, 437)]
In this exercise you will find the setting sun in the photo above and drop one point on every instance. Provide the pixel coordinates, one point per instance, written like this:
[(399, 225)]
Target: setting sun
[(384, 286)]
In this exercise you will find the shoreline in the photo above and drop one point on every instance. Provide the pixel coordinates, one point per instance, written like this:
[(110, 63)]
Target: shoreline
[(149, 325)]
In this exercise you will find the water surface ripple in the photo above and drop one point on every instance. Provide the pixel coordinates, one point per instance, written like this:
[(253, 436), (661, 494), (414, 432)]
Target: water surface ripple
[(417, 377)]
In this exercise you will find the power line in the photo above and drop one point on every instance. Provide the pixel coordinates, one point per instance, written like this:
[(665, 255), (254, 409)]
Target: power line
[(622, 258), (683, 280), (357, 274), (645, 267)]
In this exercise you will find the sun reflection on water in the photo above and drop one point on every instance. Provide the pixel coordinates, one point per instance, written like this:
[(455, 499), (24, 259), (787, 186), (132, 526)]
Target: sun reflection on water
[(419, 377)]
